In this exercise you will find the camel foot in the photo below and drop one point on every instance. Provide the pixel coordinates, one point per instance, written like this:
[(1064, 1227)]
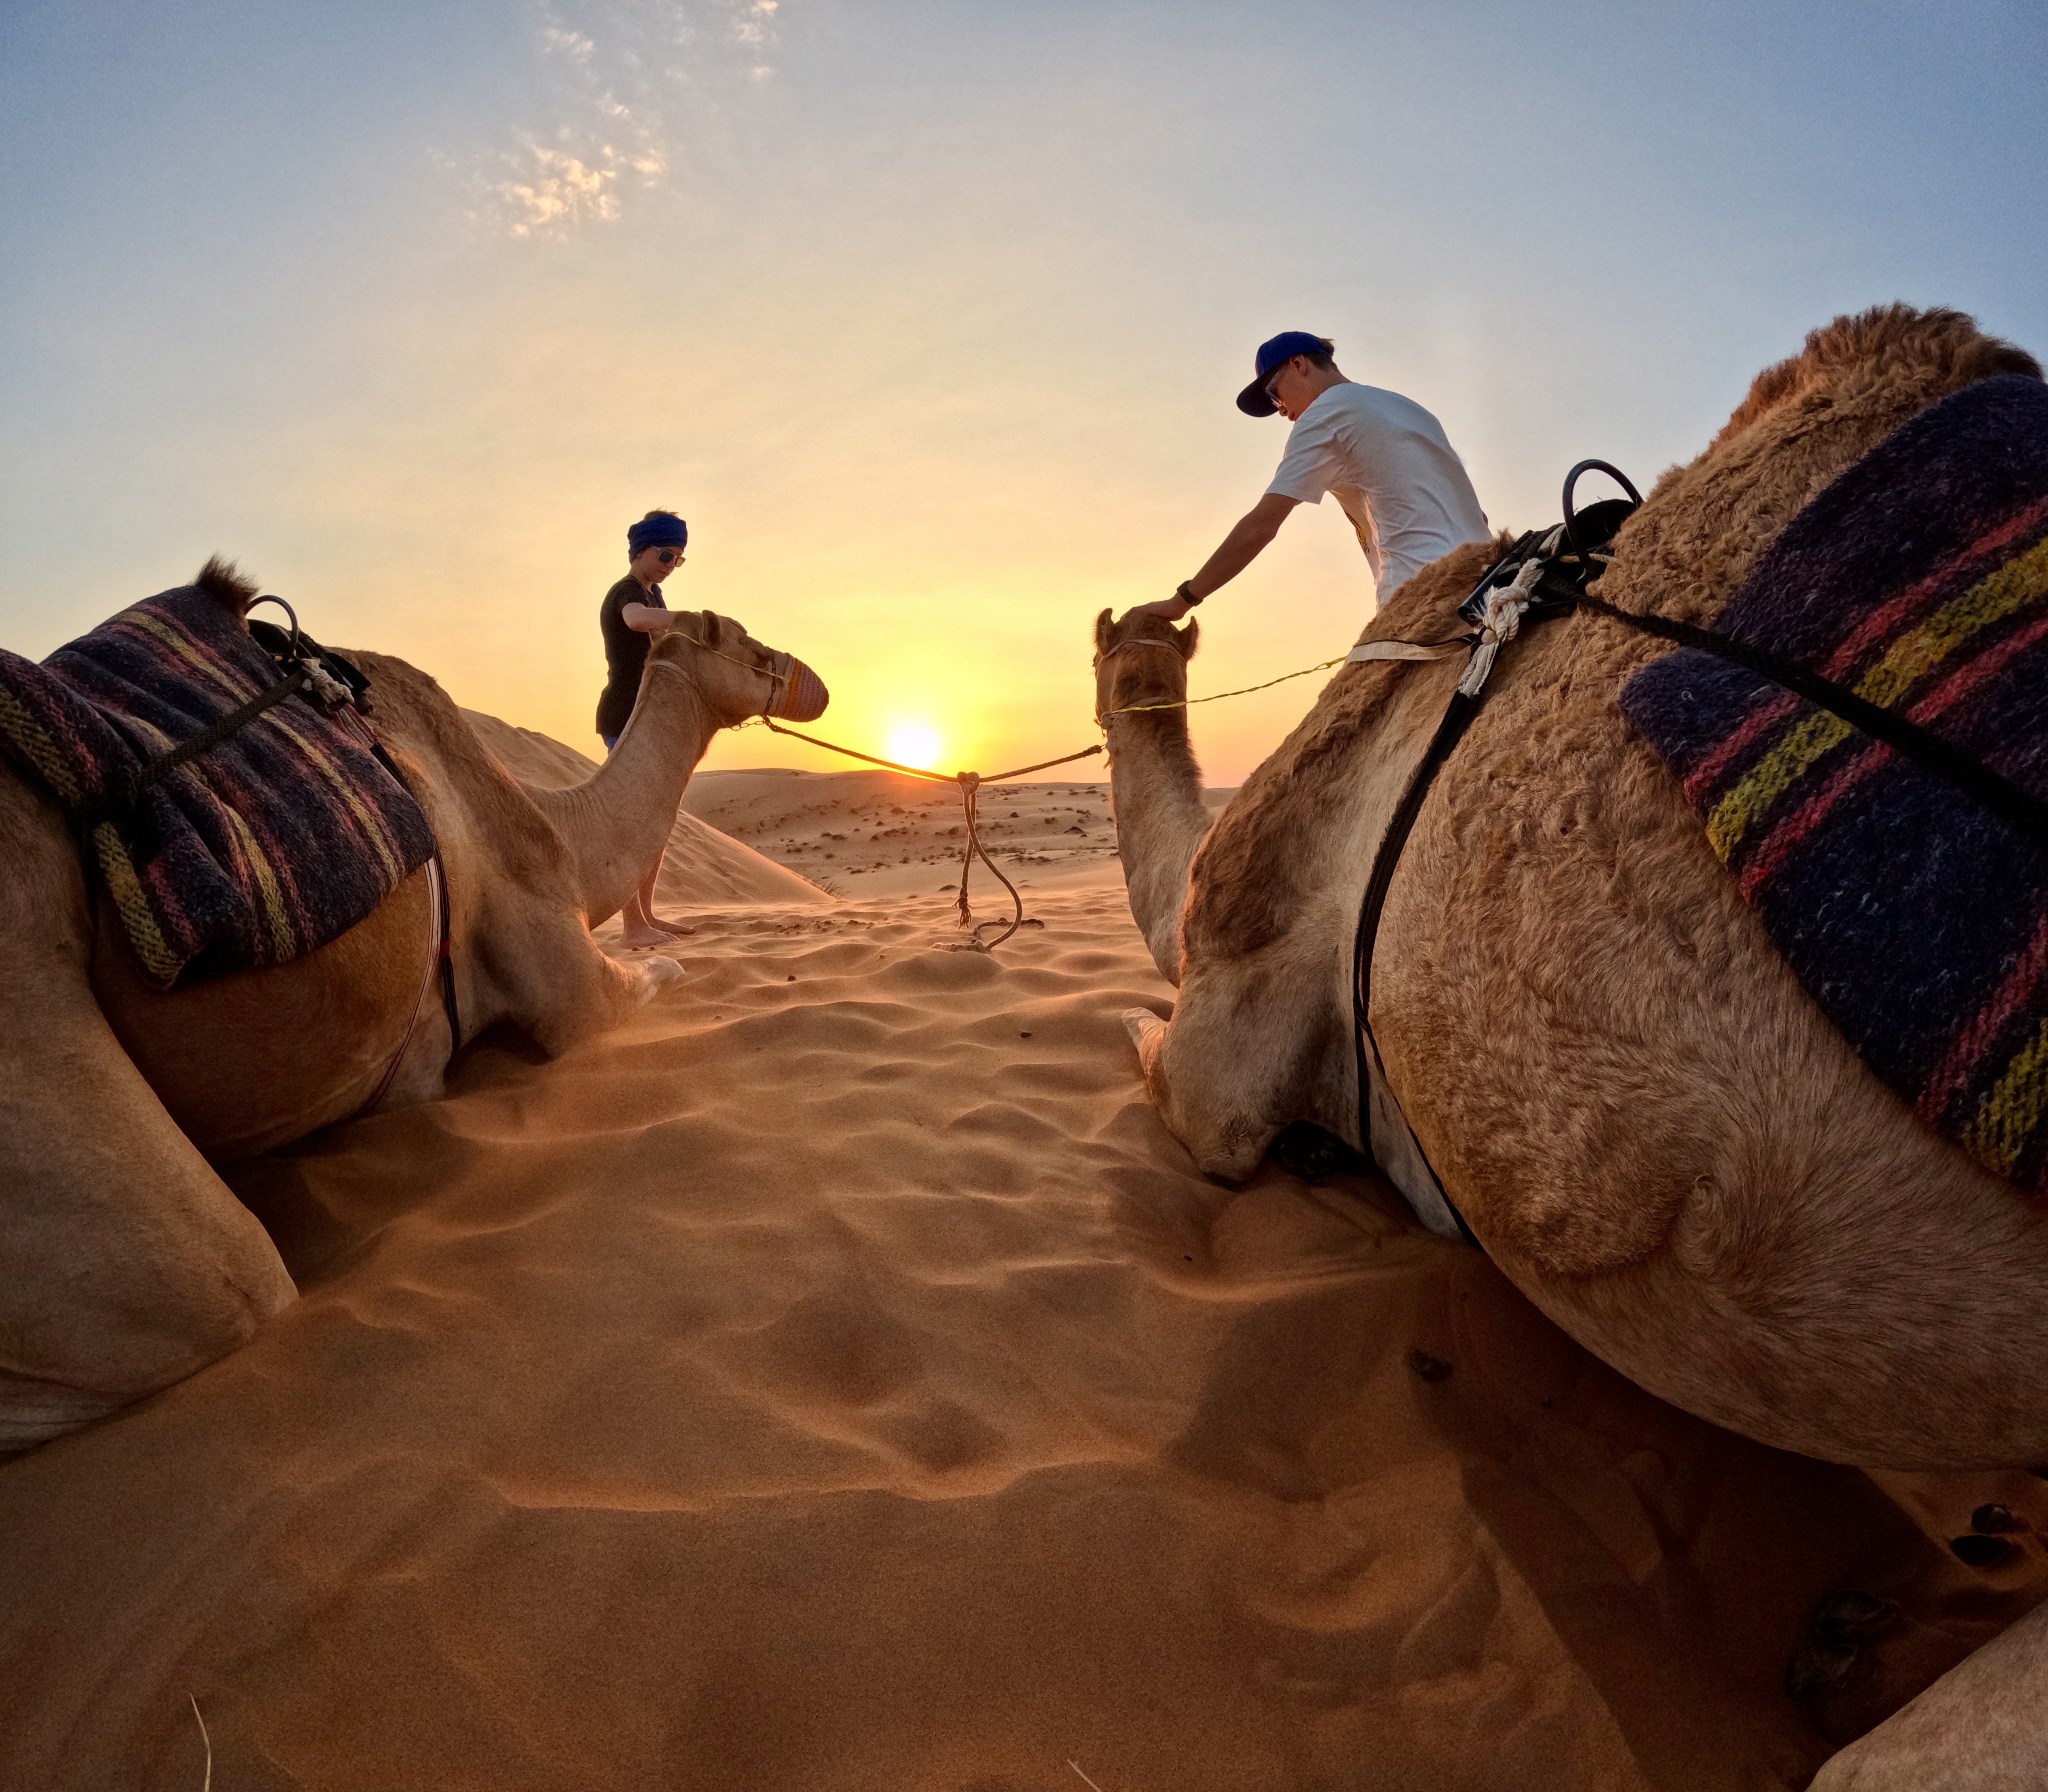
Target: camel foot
[(1148, 1033), (660, 972)]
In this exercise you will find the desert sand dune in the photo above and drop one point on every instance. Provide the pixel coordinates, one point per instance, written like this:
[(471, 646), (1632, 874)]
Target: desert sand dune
[(878, 833), (839, 1379)]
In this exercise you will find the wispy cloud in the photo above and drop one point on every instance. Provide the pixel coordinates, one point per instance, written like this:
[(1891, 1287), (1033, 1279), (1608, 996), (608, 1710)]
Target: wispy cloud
[(620, 71)]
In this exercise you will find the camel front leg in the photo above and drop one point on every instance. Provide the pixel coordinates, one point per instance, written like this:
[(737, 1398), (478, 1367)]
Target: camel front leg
[(532, 961), (126, 1264), (1249, 1050)]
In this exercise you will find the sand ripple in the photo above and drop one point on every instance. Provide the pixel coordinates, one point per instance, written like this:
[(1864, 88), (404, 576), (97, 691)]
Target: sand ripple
[(838, 1379)]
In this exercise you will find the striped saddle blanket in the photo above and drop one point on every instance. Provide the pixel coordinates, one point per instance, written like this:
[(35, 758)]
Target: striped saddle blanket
[(268, 845), (1917, 919)]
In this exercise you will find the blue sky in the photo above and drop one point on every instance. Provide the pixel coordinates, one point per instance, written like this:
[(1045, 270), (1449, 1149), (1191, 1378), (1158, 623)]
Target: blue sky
[(928, 316)]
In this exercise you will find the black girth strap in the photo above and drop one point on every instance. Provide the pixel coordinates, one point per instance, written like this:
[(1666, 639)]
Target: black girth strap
[(1561, 584), (1450, 730), (447, 965), (447, 938)]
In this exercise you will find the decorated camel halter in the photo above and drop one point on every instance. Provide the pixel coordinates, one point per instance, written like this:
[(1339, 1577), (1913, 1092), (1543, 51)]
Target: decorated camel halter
[(800, 694)]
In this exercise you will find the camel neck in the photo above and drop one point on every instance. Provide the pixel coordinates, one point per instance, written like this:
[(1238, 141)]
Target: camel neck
[(617, 823), (1157, 790)]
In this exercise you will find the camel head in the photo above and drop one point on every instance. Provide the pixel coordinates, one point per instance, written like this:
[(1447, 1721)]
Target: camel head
[(735, 677), (1141, 659)]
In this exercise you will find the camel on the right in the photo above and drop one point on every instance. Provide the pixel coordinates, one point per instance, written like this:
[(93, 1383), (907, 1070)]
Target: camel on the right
[(1625, 1092)]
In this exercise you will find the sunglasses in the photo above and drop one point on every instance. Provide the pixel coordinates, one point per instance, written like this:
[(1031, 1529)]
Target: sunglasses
[(669, 557)]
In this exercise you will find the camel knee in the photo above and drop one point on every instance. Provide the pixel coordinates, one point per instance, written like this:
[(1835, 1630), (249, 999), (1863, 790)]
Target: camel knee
[(83, 1363), (1226, 1140)]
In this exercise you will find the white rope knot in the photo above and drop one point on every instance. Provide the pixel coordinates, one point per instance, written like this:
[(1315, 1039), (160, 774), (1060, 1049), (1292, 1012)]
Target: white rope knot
[(1502, 621), (331, 695)]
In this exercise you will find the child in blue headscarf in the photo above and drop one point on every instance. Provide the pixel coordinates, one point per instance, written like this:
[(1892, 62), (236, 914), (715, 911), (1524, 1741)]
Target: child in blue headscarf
[(633, 609)]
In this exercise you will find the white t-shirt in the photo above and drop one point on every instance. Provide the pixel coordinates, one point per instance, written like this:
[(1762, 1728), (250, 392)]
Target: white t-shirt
[(1389, 464)]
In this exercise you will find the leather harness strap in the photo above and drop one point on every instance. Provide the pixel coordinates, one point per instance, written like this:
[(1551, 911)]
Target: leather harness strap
[(1532, 582), (443, 947), (1457, 718), (437, 958), (1553, 583)]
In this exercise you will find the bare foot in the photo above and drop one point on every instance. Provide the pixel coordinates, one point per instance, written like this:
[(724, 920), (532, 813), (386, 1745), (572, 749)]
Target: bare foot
[(674, 927), (639, 938)]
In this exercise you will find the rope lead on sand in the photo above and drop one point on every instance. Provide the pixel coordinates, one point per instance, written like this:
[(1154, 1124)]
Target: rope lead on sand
[(970, 783)]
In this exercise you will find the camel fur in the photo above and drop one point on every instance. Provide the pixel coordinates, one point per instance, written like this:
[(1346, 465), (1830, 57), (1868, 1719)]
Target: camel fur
[(130, 1264), (1642, 1116)]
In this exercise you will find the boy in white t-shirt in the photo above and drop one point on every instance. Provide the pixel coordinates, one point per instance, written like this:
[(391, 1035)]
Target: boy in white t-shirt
[(1385, 460)]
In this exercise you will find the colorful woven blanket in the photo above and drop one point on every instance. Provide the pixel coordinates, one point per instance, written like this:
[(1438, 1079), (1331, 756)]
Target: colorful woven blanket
[(272, 843), (1914, 917)]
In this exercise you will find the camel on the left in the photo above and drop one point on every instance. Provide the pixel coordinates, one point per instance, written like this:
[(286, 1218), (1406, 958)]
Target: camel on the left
[(126, 1263)]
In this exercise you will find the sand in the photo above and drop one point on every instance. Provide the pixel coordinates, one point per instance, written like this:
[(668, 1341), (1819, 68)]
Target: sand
[(838, 1378)]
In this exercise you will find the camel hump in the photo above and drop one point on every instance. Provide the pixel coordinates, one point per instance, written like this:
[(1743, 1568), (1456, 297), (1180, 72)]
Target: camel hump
[(1885, 337), (1914, 911)]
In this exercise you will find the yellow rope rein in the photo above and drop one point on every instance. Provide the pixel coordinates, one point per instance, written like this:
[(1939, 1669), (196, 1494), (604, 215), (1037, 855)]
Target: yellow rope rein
[(1138, 708), (970, 782)]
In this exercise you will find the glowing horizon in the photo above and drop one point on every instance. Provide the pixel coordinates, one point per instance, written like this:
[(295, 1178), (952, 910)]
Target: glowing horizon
[(928, 320)]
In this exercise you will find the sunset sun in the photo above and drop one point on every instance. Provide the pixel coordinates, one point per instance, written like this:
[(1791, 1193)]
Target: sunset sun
[(914, 743)]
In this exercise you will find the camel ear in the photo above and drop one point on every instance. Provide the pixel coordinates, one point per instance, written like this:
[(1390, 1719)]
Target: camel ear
[(1185, 639), (1103, 629), (708, 628)]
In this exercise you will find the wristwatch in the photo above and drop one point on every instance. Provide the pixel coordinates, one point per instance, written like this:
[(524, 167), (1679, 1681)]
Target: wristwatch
[(1186, 596)]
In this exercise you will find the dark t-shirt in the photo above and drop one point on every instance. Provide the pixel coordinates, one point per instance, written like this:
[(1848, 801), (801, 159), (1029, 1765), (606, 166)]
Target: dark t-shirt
[(625, 653)]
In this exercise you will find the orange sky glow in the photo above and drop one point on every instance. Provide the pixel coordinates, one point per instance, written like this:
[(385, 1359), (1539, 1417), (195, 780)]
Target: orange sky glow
[(929, 320)]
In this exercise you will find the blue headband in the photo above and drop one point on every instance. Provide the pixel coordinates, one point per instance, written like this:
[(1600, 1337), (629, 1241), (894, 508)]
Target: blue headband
[(661, 530)]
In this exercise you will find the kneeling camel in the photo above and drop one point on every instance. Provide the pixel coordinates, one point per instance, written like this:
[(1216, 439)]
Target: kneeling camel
[(1627, 1094), (129, 1262)]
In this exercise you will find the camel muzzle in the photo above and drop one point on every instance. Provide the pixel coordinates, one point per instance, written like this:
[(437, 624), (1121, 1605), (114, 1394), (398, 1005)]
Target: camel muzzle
[(800, 695)]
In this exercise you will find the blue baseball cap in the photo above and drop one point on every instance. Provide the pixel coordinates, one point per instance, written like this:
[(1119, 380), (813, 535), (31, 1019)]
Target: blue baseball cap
[(1252, 401)]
